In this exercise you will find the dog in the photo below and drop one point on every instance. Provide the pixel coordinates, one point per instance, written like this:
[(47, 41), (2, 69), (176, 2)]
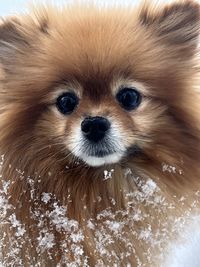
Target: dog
[(99, 133)]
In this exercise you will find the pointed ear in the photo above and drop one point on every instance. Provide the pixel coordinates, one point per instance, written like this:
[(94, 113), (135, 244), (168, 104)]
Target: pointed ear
[(19, 33), (10, 31), (175, 24), (11, 39)]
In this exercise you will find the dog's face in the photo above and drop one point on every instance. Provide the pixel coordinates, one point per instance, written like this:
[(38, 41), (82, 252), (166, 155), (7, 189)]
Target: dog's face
[(101, 86), (100, 122)]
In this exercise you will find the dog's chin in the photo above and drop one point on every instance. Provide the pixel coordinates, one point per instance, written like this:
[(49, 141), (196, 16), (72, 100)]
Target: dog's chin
[(100, 157), (95, 161)]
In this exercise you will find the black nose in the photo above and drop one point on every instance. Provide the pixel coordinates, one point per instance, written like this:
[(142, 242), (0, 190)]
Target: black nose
[(95, 128)]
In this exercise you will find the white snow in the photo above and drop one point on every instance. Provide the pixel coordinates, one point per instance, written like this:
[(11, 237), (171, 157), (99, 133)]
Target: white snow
[(186, 251), (168, 168), (46, 241), (108, 227), (108, 174), (46, 197)]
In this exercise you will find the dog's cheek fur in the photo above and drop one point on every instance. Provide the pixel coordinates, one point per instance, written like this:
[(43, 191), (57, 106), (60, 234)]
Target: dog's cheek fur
[(149, 48)]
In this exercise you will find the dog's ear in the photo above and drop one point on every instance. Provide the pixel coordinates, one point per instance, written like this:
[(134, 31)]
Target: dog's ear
[(10, 31), (13, 39), (19, 33), (175, 24)]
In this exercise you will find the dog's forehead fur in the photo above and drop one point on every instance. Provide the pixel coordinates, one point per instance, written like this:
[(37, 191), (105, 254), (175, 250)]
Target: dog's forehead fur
[(101, 43), (93, 45)]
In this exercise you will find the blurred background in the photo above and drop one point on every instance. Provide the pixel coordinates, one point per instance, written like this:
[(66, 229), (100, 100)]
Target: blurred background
[(9, 7)]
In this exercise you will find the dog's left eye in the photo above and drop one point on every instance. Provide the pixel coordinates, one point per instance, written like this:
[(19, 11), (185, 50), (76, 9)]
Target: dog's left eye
[(67, 102), (129, 98)]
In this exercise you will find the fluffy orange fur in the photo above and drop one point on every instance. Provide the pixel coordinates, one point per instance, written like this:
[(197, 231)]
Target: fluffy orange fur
[(93, 48)]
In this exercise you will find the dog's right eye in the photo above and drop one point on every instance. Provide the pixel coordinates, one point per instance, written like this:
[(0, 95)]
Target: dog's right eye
[(67, 102), (129, 98)]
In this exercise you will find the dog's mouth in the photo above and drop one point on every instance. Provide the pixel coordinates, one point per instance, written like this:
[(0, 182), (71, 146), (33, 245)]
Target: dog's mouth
[(100, 153), (100, 149), (96, 155)]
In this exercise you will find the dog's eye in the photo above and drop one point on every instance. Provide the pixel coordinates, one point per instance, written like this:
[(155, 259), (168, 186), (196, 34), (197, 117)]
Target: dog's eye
[(67, 102), (129, 98)]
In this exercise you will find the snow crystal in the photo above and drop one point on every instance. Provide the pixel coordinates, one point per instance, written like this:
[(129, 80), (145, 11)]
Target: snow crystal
[(99, 199), (127, 172), (115, 226), (137, 215), (182, 199), (108, 174), (77, 237), (46, 197), (146, 234), (168, 168), (20, 230), (149, 188), (147, 192), (113, 201), (90, 224), (46, 241), (77, 250), (180, 171), (59, 219), (4, 206)]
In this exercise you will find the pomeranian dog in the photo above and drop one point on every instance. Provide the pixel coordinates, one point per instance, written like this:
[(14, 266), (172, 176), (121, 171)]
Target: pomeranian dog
[(99, 133)]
